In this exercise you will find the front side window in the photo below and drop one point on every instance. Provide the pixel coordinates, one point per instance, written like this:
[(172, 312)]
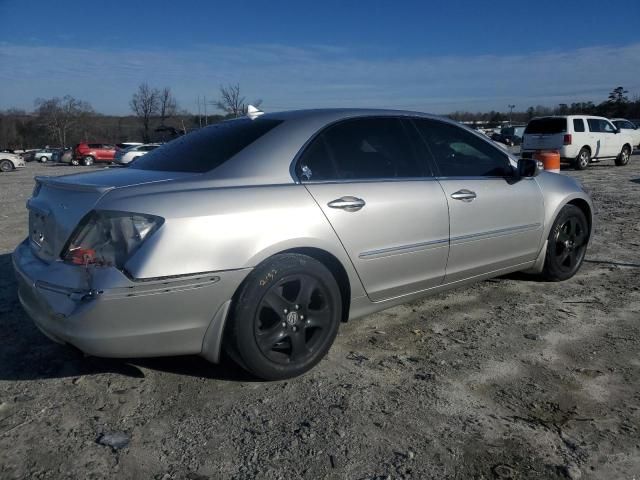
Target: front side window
[(459, 153), (207, 148), (578, 125), (594, 125), (361, 149), (607, 127)]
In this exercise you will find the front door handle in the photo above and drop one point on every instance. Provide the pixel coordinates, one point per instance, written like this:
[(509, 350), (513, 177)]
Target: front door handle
[(350, 204), (464, 195)]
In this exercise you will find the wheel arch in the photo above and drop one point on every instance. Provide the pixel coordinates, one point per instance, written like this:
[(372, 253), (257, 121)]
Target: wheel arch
[(586, 209), (13, 165)]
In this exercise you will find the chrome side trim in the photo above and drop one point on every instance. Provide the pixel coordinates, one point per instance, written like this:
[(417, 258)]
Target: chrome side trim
[(415, 247), (495, 233)]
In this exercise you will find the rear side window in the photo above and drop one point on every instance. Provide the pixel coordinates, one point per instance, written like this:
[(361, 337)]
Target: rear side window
[(207, 148), (547, 126), (460, 153), (578, 125), (94, 145), (361, 149)]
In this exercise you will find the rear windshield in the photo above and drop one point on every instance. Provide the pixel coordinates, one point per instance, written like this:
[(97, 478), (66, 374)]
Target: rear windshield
[(207, 148), (547, 125)]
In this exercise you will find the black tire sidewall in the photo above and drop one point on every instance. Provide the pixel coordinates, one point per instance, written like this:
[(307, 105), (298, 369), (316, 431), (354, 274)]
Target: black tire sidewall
[(551, 270), (6, 162), (619, 161), (240, 333), (577, 164)]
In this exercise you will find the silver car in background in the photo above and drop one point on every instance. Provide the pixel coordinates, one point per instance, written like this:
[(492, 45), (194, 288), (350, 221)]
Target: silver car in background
[(260, 235), (128, 155)]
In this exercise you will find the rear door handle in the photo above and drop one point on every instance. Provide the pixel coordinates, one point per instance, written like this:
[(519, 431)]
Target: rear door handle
[(350, 204), (464, 195)]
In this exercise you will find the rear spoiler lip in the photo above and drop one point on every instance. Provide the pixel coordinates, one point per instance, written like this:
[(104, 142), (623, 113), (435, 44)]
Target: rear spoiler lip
[(83, 187)]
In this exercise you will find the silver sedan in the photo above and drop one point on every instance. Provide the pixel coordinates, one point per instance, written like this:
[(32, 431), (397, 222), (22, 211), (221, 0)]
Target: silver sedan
[(259, 235)]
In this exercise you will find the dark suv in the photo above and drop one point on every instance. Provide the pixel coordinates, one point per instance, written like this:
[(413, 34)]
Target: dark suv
[(87, 153)]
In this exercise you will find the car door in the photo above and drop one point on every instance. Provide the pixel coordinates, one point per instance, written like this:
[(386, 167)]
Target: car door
[(597, 138), (370, 178), (495, 221), (611, 138)]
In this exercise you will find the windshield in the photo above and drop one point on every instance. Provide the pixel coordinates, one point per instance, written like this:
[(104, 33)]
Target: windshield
[(207, 148), (549, 125)]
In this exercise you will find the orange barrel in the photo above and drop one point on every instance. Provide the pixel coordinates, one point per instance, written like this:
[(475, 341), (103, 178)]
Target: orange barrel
[(550, 159)]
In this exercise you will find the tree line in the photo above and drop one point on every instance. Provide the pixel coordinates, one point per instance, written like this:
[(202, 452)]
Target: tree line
[(616, 105), (156, 116)]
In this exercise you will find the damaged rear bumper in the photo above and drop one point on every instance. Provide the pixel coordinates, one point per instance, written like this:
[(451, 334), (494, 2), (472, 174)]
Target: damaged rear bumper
[(104, 313)]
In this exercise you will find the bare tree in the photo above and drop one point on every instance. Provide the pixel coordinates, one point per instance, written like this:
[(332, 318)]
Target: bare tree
[(59, 115), (145, 103), (168, 104), (231, 102)]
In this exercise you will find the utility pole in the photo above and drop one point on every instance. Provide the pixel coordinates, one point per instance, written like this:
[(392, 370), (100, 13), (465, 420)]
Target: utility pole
[(511, 107)]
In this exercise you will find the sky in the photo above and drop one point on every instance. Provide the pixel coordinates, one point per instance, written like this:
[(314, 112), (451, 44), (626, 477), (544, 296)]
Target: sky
[(437, 57)]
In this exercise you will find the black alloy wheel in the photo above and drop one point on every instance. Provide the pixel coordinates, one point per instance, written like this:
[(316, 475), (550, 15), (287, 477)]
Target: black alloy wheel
[(292, 319), (284, 317), (567, 244)]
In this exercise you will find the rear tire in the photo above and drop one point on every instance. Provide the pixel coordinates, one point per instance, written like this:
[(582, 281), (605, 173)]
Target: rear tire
[(567, 244), (75, 162), (87, 161), (6, 166), (43, 159), (582, 160), (623, 158), (285, 317)]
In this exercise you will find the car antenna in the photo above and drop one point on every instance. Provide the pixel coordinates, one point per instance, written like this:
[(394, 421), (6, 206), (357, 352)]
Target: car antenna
[(253, 112)]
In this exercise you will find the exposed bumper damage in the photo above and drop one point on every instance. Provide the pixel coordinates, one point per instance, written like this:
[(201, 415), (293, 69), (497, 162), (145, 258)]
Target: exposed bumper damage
[(104, 313)]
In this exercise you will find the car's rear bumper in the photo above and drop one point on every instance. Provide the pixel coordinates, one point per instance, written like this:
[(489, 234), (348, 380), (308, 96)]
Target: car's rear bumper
[(104, 313)]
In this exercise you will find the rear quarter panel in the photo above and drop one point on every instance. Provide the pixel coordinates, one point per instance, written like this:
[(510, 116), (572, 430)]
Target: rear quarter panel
[(213, 229)]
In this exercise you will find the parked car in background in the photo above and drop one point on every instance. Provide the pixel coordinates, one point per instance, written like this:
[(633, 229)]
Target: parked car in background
[(88, 153), (10, 161), (48, 155), (28, 155), (261, 236), (628, 127), (123, 157), (580, 139), (125, 145), (510, 136)]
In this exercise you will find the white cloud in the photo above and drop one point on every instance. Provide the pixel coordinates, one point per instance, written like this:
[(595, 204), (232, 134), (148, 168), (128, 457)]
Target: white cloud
[(288, 77)]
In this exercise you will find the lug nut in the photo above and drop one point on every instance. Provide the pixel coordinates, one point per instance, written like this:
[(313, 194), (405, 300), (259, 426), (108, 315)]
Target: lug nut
[(297, 307), (301, 317), (286, 311), (284, 324), (295, 329)]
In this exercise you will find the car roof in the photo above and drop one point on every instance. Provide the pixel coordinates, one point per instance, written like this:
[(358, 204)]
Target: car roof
[(268, 159)]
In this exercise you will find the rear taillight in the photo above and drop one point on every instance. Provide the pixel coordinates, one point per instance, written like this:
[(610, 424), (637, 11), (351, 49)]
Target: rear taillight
[(108, 238), (567, 139)]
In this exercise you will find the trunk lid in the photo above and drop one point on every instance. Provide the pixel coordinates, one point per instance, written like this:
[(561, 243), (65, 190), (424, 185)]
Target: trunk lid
[(58, 204)]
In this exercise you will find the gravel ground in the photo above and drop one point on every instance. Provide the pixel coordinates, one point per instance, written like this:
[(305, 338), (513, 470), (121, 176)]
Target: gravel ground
[(511, 378)]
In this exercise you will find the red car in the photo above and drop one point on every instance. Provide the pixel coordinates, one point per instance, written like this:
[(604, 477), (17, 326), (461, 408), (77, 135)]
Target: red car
[(87, 153)]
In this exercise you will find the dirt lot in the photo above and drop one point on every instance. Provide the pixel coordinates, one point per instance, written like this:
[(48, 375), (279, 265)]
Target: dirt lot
[(512, 378)]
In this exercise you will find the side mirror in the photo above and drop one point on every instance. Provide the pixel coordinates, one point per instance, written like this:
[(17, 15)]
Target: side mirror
[(529, 167)]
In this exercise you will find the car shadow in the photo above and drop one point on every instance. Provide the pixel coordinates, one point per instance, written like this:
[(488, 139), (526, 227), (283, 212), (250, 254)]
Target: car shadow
[(27, 354), (618, 264), (635, 180)]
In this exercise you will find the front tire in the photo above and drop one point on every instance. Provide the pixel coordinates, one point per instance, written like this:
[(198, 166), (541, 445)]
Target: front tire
[(623, 158), (567, 244), (6, 166), (582, 160), (285, 318), (87, 161)]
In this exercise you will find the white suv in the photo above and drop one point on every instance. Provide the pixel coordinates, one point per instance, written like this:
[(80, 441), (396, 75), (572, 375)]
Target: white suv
[(580, 139)]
